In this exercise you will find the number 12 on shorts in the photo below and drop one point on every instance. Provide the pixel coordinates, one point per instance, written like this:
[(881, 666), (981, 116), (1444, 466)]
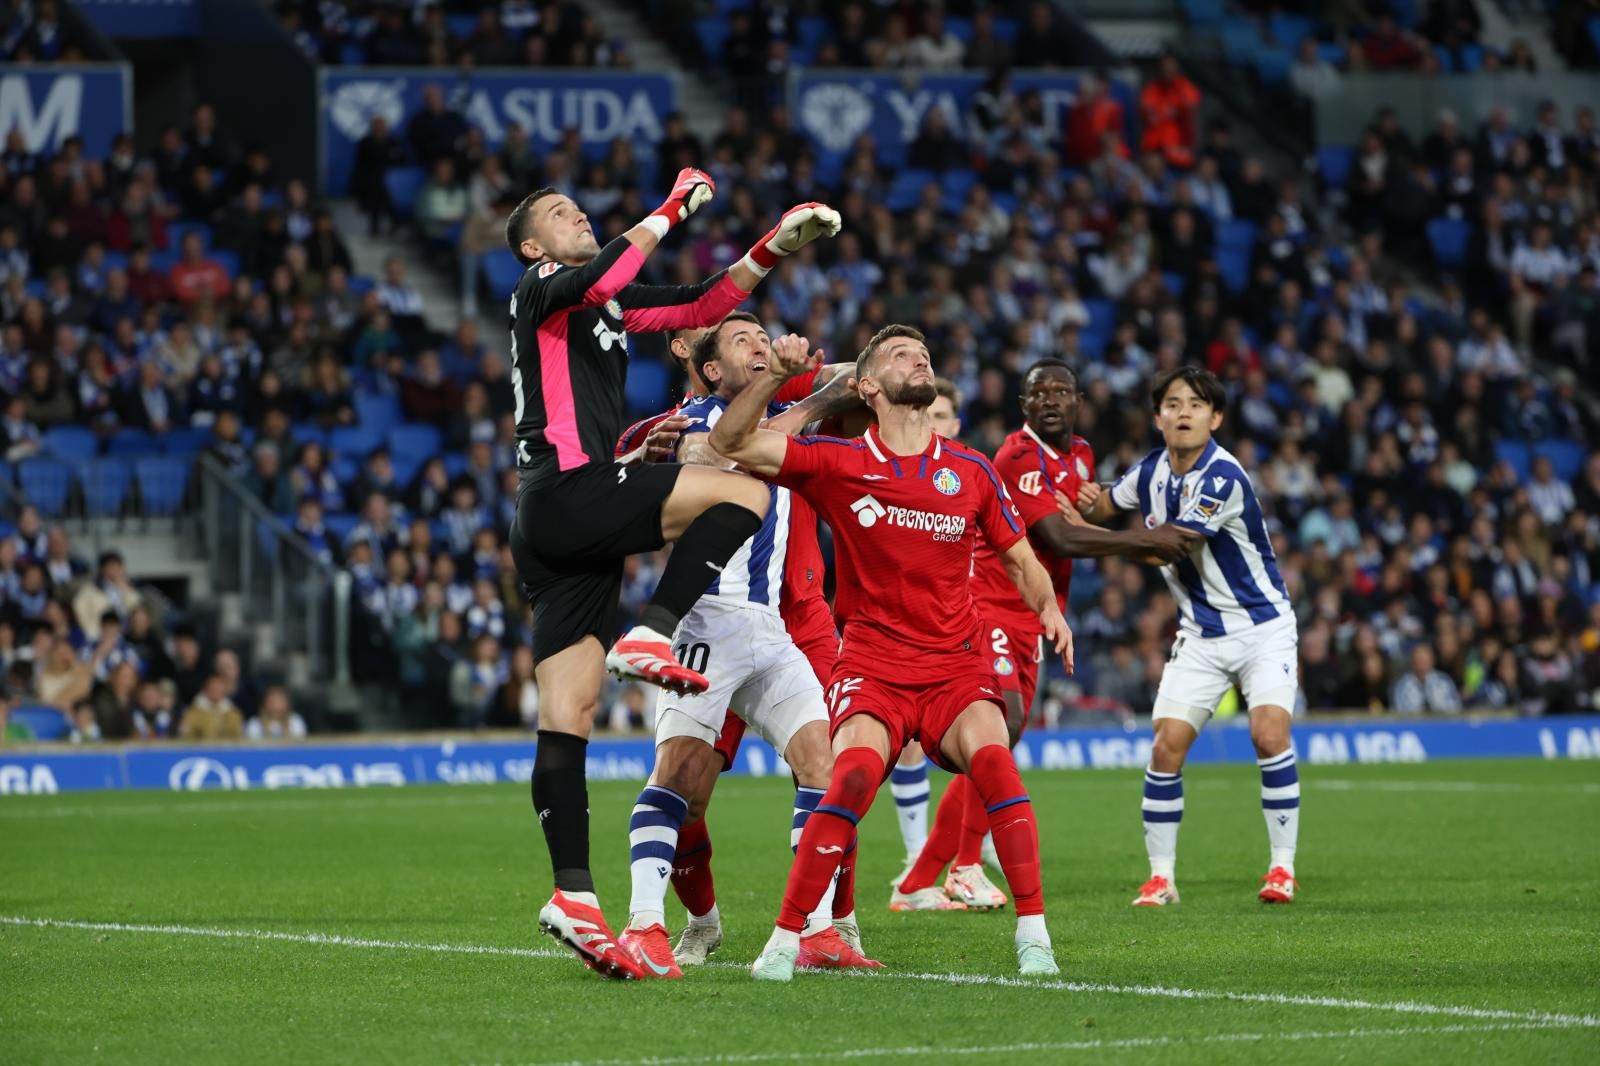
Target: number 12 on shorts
[(839, 695)]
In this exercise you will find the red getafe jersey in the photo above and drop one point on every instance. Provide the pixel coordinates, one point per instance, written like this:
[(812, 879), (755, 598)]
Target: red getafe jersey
[(1032, 472), (904, 528), (802, 564)]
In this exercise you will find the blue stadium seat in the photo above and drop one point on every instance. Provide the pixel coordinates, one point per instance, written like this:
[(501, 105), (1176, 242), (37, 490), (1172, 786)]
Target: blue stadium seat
[(176, 232), (404, 183), (461, 26), (352, 54), (185, 440), (340, 524), (163, 483), (1447, 62), (407, 466), (503, 271), (1332, 52), (812, 31), (162, 262), (39, 722), (1174, 282), (228, 260), (71, 442), (1241, 37), (1471, 58), (345, 469), (46, 483), (1290, 30), (727, 7), (1333, 163), (355, 441), (308, 433), (1517, 455), (956, 184), (455, 463), (712, 33), (130, 442), (906, 188), (1234, 266), (1204, 12), (648, 381), (1236, 233), (361, 284), (377, 411), (1449, 238), (415, 438), (1593, 26), (106, 485), (1566, 456), (1007, 29), (1272, 65)]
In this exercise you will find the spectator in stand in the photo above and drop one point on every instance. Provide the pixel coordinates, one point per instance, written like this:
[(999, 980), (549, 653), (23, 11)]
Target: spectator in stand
[(1169, 105), (1311, 75), (194, 277), (376, 154), (934, 47), (442, 205), (113, 702), (277, 720), (437, 131), (516, 704), (1095, 114), (212, 716)]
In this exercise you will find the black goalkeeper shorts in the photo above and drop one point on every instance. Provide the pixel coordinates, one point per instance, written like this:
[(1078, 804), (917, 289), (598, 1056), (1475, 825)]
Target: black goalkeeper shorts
[(569, 539)]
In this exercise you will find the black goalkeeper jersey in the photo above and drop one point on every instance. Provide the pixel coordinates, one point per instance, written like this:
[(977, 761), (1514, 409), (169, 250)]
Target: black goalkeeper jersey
[(569, 350)]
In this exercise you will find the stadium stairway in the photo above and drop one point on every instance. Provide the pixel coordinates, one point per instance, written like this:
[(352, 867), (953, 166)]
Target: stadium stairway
[(1526, 24), (441, 303)]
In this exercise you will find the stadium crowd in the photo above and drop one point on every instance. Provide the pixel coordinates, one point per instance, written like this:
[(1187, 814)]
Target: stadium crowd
[(1430, 482)]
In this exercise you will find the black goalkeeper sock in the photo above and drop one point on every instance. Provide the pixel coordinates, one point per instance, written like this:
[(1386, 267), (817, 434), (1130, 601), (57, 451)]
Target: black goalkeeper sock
[(561, 800), (696, 561)]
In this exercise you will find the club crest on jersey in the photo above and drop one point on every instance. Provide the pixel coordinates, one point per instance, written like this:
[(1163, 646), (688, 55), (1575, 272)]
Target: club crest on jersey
[(1003, 667), (1207, 507), (1031, 482), (946, 481), (614, 308), (546, 269)]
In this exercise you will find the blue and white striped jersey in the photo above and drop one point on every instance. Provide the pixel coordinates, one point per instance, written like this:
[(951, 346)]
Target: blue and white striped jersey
[(1231, 582), (754, 576)]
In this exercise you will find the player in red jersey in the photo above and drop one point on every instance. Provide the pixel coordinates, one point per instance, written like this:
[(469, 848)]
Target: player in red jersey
[(821, 392), (906, 507), (1036, 462)]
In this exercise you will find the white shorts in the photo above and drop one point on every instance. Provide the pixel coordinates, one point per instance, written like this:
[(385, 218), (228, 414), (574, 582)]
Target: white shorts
[(755, 670), (1264, 662)]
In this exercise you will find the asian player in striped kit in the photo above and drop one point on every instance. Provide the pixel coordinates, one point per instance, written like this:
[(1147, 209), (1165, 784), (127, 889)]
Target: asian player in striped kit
[(1236, 626)]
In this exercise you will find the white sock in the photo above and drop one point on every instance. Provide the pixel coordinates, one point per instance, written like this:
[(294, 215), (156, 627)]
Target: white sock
[(652, 842), (909, 786), (712, 917), (782, 938), (1280, 805), (1163, 812), (822, 917), (1031, 927), (844, 919), (588, 899)]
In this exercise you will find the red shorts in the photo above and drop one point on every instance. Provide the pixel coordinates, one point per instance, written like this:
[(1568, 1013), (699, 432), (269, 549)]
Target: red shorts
[(1015, 653), (924, 711), (810, 626)]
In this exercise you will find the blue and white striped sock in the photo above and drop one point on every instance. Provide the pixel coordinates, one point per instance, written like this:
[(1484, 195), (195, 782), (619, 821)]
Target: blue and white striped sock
[(805, 804), (1163, 811), (652, 841), (1280, 805), (909, 787)]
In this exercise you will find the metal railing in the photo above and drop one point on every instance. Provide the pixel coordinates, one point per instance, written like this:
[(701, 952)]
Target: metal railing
[(280, 578)]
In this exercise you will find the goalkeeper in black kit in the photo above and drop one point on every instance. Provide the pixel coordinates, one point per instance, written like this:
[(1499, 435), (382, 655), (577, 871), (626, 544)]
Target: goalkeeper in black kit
[(580, 513)]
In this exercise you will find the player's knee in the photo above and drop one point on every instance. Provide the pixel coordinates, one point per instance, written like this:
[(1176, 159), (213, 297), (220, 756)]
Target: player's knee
[(1167, 753), (810, 759), (1270, 738)]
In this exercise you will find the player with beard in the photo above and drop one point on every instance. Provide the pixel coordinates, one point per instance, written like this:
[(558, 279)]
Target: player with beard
[(1039, 464), (580, 514), (906, 507)]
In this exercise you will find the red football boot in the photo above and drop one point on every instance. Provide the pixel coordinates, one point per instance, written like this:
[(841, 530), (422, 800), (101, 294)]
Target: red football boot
[(583, 929), (645, 655), (826, 950)]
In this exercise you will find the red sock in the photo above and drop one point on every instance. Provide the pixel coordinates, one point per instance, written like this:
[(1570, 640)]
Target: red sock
[(830, 832), (844, 892), (691, 869), (1016, 833), (974, 824), (944, 837)]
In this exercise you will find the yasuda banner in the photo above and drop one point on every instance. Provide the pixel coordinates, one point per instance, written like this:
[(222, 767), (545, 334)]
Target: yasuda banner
[(835, 109), (51, 103), (601, 107), (250, 768)]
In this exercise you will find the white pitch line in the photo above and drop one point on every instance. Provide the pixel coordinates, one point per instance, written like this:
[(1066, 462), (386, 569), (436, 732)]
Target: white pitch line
[(1585, 1021), (265, 802), (1337, 784), (822, 1054)]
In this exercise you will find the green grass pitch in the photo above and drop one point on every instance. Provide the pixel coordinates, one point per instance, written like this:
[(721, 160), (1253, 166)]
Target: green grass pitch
[(1447, 914)]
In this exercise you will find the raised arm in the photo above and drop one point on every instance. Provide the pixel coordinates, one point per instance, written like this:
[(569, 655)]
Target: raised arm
[(738, 435), (1068, 535), (656, 308)]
